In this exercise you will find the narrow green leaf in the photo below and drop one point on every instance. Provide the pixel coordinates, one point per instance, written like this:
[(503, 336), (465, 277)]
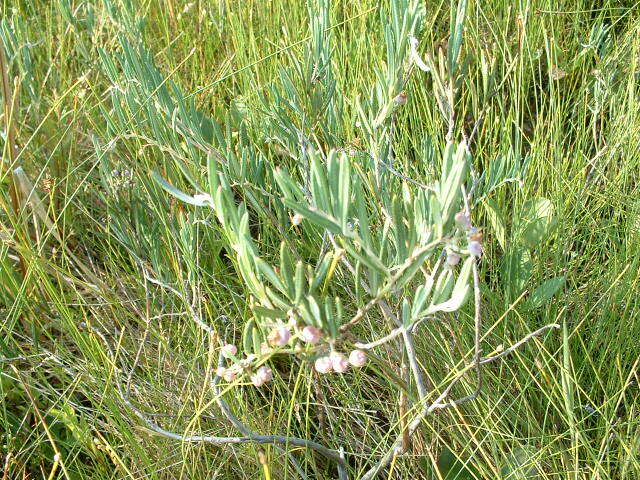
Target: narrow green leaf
[(444, 285), (314, 310), (271, 275), (515, 271), (411, 266), (406, 312), (536, 221), (299, 282), (321, 271), (317, 217), (345, 175), (370, 261), (459, 293), (269, 312), (420, 297), (277, 300), (319, 184), (399, 228), (287, 271), (544, 293), (202, 200), (497, 221)]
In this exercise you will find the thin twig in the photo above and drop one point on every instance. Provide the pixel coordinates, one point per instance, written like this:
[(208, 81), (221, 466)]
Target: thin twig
[(192, 312), (477, 320), (393, 334), (513, 347), (437, 404), (215, 440), (235, 421)]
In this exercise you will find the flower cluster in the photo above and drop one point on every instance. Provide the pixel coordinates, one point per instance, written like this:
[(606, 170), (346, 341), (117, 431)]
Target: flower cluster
[(281, 336), (337, 362), (473, 235)]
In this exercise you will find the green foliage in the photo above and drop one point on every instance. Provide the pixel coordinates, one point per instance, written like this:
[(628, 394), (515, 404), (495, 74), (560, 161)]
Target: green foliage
[(259, 91), (415, 227), (530, 228)]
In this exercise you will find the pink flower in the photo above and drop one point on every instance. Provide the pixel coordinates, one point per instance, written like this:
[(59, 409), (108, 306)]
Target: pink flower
[(453, 259), (279, 336), (357, 358), (339, 362), (475, 248), (229, 350), (263, 375), (220, 371), (323, 365), (310, 334)]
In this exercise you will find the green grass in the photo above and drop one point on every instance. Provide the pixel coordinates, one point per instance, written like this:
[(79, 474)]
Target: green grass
[(560, 107)]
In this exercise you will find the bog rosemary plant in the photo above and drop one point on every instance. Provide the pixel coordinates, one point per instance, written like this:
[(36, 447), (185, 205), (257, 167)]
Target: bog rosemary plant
[(361, 241)]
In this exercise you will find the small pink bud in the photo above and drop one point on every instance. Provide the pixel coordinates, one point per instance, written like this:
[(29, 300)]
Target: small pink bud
[(279, 336), (463, 220), (229, 350), (475, 248), (310, 334), (401, 98), (323, 365), (229, 375), (339, 362), (220, 371), (263, 375), (357, 358), (453, 259)]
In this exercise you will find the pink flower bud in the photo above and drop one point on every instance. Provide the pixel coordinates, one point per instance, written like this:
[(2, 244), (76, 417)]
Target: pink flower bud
[(339, 362), (475, 248), (310, 334), (357, 358), (401, 98), (229, 375), (453, 259), (229, 350), (220, 371), (323, 365), (263, 375), (463, 221), (279, 336)]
